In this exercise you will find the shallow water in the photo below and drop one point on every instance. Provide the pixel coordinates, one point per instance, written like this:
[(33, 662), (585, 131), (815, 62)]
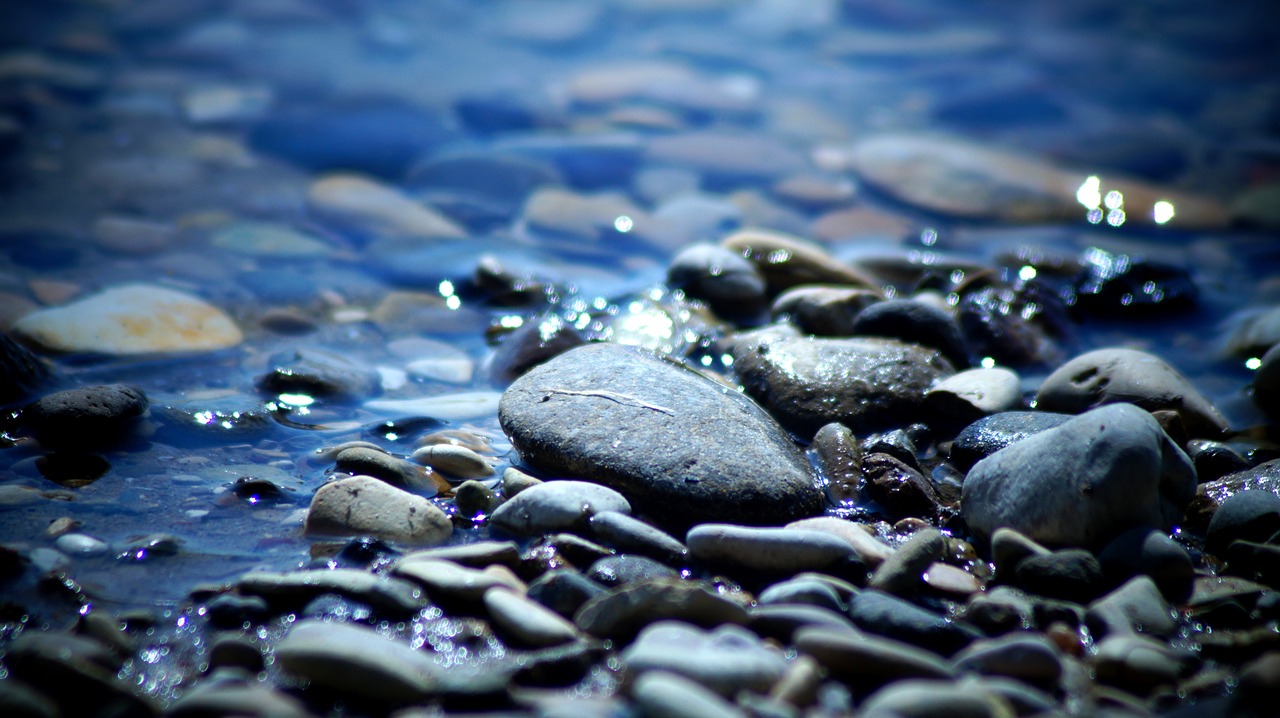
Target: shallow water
[(201, 118)]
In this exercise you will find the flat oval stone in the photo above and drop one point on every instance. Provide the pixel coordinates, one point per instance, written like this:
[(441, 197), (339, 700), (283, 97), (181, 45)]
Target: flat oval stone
[(787, 261), (676, 444), (353, 659), (867, 384), (623, 611), (525, 621), (864, 660), (368, 207), (363, 505), (665, 694), (556, 506), (1107, 376), (768, 549), (726, 660), (1082, 483), (129, 320)]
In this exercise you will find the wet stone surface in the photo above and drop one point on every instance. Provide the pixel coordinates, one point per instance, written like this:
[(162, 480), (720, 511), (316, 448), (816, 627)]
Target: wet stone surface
[(588, 358)]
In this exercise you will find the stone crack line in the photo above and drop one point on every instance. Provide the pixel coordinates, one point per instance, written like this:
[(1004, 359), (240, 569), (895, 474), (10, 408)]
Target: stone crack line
[(615, 397)]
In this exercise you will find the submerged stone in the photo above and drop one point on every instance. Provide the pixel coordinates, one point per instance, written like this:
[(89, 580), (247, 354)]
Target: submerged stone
[(131, 319), (675, 443)]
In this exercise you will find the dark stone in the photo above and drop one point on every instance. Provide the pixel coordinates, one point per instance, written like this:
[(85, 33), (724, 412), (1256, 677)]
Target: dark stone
[(626, 568), (824, 311), (867, 384), (781, 621), (1070, 574), (917, 323), (1249, 515), (378, 137), (1214, 459), (1118, 285), (1209, 496), (599, 412), (319, 374), (624, 533), (887, 615), (21, 372), (1256, 561), (726, 280), (1150, 553), (209, 423), (990, 434), (896, 443), (564, 591), (77, 673), (229, 610), (72, 469), (992, 323), (900, 490), (86, 418), (532, 344), (840, 461)]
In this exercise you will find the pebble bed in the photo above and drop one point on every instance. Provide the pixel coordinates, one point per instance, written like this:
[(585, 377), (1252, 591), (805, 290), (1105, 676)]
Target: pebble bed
[(773, 358)]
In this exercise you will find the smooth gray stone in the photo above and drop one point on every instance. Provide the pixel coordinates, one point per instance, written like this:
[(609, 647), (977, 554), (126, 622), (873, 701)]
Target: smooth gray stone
[(627, 568), (868, 661), (393, 595), (1072, 574), (1145, 552), (914, 322), (1135, 606), (726, 660), (1250, 515), (564, 590), (903, 571), (727, 281), (866, 383), (665, 695), (556, 506), (1009, 548), (1137, 663), (474, 555), (963, 398), (446, 580), (1000, 610), (632, 535), (773, 550), (990, 434), (367, 506), (400, 473), (683, 448), (782, 621), (525, 621), (887, 615), (1107, 376), (358, 661), (802, 591), (623, 611), (1082, 483), (1030, 657), (933, 699)]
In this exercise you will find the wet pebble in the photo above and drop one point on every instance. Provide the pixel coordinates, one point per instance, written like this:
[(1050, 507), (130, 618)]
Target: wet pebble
[(935, 699), (867, 384), (77, 673), (561, 213), (871, 550), (824, 311), (802, 591), (899, 490), (379, 464), (463, 406), (1136, 606), (364, 505), (129, 320), (771, 550), (902, 571), (456, 461), (1069, 574), (474, 499), (724, 279), (526, 622), (1029, 657), (623, 611), (1132, 472), (963, 398), (1144, 552), (76, 544), (667, 695), (447, 581), (1118, 285), (1250, 515), (914, 322), (726, 660), (990, 434), (625, 533), (563, 417), (787, 261), (86, 417), (318, 373), (356, 661), (292, 590), (839, 458), (896, 618), (564, 590), (627, 568), (1105, 376), (867, 661), (1137, 663), (556, 506), (266, 239)]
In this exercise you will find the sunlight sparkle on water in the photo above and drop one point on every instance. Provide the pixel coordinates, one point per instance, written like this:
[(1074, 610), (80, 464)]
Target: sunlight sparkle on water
[(623, 223), (1253, 363), (1027, 273), (1162, 211), (1090, 193)]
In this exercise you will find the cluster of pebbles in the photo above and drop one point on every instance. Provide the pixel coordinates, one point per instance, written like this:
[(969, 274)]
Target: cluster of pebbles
[(874, 521)]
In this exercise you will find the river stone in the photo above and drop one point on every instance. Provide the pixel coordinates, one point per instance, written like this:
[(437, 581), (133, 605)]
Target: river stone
[(1135, 606), (914, 322), (990, 434), (356, 660), (601, 411), (871, 550), (1107, 376), (225, 698), (87, 417), (726, 280), (626, 568), (129, 320), (1030, 657), (392, 595), (903, 570), (1082, 483), (457, 461), (896, 618), (869, 661), (963, 398), (623, 611), (368, 207), (770, 550), (446, 580), (787, 261), (974, 181), (394, 470), (935, 699), (866, 383), (1144, 552), (556, 506), (364, 505), (1250, 515), (624, 533), (823, 310), (526, 622), (665, 695), (726, 660)]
